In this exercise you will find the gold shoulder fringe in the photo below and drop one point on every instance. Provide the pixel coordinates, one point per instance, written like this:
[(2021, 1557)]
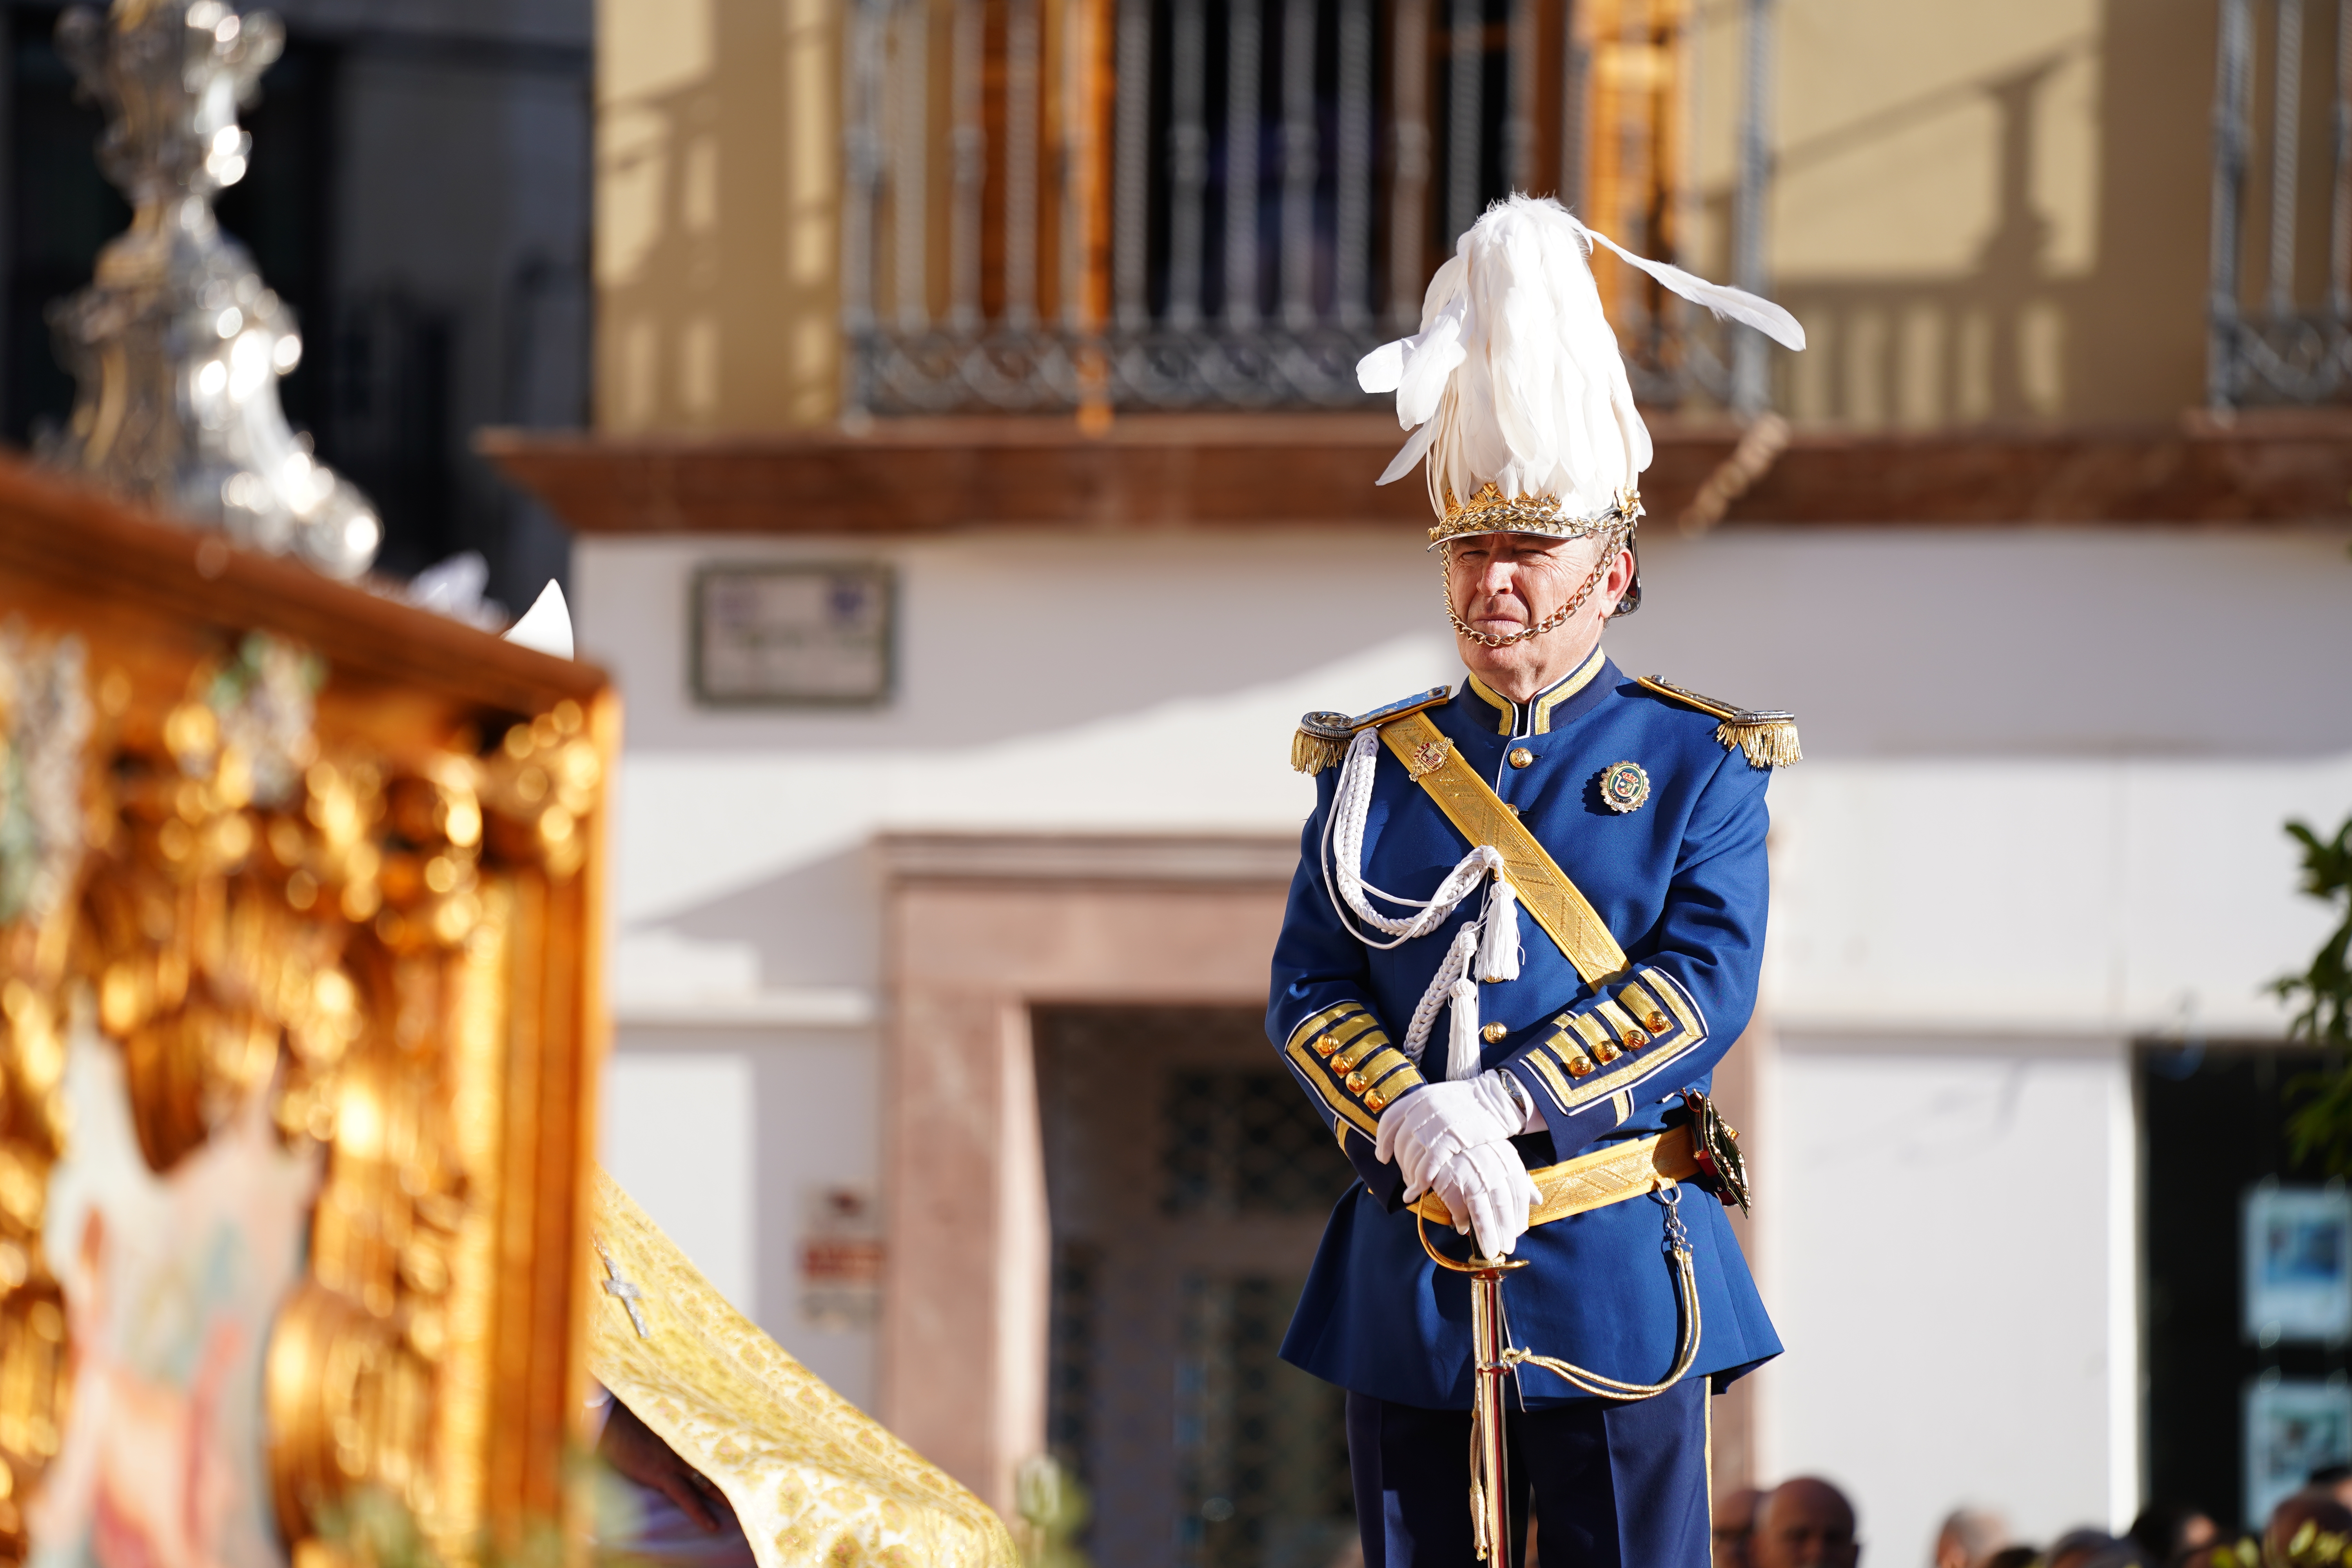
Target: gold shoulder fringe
[(1310, 753), (1322, 738), (1766, 736), (1769, 744)]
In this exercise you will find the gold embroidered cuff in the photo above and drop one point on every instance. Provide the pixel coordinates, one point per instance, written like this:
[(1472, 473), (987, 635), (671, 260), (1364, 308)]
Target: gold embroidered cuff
[(1327, 1046), (1383, 1094), (1644, 1008), (1614, 1045), (1588, 1029), (1382, 1064), (1622, 1031), (1547, 1069), (1363, 1048)]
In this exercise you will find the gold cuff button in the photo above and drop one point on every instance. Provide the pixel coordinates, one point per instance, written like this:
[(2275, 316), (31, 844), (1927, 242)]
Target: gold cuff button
[(1355, 1083), (1606, 1052), (1521, 756), (1325, 1045), (1580, 1065), (1375, 1100), (1492, 1033), (1656, 1024), (1636, 1040)]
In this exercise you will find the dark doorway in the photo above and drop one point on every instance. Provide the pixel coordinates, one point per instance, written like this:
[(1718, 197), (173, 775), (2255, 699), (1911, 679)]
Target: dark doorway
[(2213, 1121), (1188, 1182)]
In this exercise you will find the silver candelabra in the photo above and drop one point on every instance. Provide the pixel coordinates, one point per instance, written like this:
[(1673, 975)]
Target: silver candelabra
[(176, 344)]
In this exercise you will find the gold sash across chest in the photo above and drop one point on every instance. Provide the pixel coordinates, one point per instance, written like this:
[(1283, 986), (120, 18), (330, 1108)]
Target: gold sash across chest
[(1474, 808)]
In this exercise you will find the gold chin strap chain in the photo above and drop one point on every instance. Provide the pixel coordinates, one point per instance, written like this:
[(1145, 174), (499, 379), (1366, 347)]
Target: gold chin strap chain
[(1550, 623), (1494, 1358)]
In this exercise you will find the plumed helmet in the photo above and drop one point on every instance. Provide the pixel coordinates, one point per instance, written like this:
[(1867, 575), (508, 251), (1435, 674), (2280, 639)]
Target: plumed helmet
[(1513, 389)]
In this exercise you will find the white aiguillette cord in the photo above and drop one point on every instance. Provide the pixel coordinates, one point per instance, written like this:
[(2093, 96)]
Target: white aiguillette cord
[(1469, 959)]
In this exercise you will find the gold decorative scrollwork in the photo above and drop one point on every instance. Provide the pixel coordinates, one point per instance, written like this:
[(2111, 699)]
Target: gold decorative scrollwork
[(377, 1371), (44, 722), (250, 909)]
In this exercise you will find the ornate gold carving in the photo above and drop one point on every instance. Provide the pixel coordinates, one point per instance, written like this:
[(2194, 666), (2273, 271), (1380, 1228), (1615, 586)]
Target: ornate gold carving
[(258, 908), (45, 723)]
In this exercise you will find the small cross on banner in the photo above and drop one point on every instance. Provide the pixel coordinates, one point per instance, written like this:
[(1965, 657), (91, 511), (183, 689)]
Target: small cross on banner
[(628, 1291)]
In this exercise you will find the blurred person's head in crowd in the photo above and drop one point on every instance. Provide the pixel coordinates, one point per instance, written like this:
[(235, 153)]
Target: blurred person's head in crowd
[(1734, 1525), (2086, 1548), (2014, 1557), (2168, 1531), (2334, 1479), (1804, 1523), (1968, 1537), (2318, 1510)]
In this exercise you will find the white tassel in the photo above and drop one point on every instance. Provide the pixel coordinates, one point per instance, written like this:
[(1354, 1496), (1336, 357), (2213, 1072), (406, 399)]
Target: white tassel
[(1498, 954), (1462, 1042), (1453, 967)]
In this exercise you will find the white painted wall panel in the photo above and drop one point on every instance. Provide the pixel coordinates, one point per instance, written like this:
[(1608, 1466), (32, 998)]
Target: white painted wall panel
[(1942, 1275), (721, 1133), (678, 1137)]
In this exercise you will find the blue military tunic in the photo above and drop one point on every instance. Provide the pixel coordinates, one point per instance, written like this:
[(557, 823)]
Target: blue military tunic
[(1681, 882)]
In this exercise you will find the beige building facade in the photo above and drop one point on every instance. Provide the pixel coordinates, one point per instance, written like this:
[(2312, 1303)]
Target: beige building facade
[(2064, 643)]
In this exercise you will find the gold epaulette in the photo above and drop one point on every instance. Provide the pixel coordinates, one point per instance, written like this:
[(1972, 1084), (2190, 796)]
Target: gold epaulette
[(1322, 738), (1768, 735)]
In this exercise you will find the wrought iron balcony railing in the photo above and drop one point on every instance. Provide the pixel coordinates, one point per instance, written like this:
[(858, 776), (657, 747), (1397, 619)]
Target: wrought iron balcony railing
[(2292, 342), (1058, 204)]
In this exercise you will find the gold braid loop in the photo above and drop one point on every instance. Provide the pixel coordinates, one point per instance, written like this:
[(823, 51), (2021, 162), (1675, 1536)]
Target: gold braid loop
[(1550, 623)]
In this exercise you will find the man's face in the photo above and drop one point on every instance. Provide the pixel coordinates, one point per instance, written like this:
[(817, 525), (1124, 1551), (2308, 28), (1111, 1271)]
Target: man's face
[(1505, 582), (1804, 1524), (1735, 1521), (1502, 583)]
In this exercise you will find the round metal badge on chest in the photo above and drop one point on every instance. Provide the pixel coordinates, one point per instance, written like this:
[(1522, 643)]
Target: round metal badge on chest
[(1624, 787)]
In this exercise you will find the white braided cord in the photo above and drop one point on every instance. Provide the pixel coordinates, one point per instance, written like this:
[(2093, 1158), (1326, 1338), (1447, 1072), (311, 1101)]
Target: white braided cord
[(1343, 856)]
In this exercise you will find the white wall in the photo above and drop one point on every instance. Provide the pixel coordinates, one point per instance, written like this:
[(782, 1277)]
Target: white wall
[(2038, 817), (1951, 1262)]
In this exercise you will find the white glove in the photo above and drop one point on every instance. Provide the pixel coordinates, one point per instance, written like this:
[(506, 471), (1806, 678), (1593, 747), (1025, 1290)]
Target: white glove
[(1489, 1188), (1439, 1121)]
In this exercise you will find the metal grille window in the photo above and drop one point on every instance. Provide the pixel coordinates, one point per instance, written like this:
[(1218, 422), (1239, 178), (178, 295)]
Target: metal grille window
[(1262, 1448), (1202, 204), (1188, 1178), (1247, 1142), (2290, 342)]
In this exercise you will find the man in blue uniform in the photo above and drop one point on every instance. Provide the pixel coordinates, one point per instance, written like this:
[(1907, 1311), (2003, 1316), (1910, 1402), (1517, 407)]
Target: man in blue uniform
[(1526, 925)]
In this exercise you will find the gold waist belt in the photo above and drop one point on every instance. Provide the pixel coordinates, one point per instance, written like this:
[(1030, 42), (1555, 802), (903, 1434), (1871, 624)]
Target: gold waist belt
[(1595, 1181)]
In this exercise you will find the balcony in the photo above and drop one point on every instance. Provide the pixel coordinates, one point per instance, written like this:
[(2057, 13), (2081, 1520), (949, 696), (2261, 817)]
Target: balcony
[(1058, 205), (1058, 297), (2280, 306)]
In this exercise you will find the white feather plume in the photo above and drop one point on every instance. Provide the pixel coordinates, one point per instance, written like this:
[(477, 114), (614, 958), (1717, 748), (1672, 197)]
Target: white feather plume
[(1515, 377)]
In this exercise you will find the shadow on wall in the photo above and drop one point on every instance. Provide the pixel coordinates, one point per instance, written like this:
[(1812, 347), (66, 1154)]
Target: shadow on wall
[(816, 923), (718, 304), (2016, 335)]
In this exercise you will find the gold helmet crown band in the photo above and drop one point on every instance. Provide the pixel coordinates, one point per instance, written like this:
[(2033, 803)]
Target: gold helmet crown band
[(1490, 511)]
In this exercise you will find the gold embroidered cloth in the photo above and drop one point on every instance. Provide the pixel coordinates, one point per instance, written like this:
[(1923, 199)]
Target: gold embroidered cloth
[(813, 1480), (1471, 804)]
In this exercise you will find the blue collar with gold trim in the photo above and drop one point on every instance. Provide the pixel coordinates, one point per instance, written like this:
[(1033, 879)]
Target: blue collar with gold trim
[(1534, 717)]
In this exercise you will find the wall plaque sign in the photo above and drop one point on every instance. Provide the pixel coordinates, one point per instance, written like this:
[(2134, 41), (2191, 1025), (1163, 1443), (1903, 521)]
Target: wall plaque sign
[(792, 635)]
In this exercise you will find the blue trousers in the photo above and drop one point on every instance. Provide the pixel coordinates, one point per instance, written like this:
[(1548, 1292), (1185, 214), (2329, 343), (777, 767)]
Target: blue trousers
[(1612, 1486)]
